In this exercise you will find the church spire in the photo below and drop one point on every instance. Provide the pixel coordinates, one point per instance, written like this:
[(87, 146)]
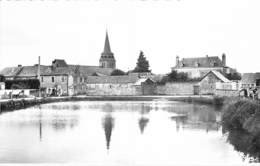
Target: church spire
[(107, 59), (107, 45)]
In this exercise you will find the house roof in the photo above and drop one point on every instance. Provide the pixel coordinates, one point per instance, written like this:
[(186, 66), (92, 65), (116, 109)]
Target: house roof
[(218, 75), (250, 78), (213, 61), (112, 79), (31, 71), (90, 70)]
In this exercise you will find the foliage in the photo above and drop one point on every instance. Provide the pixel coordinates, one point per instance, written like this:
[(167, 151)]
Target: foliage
[(142, 64), (241, 119), (2, 78), (22, 84), (233, 76), (117, 72), (94, 74), (175, 76)]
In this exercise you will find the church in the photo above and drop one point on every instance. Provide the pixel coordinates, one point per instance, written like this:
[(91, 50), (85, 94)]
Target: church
[(63, 77), (197, 67)]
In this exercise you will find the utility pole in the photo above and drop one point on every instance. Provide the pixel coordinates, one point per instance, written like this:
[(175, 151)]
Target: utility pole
[(39, 74)]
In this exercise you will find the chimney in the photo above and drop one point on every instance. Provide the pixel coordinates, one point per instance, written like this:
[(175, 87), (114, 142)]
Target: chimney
[(224, 59), (177, 60), (39, 67)]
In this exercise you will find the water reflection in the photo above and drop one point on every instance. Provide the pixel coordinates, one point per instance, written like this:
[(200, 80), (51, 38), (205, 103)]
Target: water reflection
[(108, 125), (196, 117), (86, 131), (142, 123)]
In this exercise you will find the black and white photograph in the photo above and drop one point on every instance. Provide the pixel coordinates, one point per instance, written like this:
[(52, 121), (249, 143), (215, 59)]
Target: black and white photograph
[(130, 82)]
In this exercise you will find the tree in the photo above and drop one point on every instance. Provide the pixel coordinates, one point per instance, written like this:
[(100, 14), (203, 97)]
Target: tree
[(233, 76), (177, 76), (117, 72), (142, 64)]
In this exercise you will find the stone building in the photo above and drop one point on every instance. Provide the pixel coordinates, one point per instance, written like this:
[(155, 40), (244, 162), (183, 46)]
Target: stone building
[(207, 85), (61, 78), (198, 67), (58, 78), (119, 85), (250, 80)]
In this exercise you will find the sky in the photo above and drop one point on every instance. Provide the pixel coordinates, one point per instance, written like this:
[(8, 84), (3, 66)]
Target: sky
[(74, 30)]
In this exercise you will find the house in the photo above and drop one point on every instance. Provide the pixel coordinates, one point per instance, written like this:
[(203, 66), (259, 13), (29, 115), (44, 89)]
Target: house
[(199, 66), (61, 78), (250, 80), (207, 84), (119, 85)]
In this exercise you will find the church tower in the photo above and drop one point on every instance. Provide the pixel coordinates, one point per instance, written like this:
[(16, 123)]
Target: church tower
[(107, 59)]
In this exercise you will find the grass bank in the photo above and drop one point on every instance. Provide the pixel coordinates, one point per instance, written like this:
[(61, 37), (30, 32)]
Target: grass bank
[(241, 121)]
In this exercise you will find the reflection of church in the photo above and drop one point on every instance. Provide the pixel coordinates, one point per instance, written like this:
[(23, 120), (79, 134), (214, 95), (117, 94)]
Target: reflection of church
[(108, 125)]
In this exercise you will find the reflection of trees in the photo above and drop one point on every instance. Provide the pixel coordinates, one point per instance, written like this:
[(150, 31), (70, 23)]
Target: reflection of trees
[(143, 123), (145, 108), (180, 120), (246, 143), (60, 123), (108, 125)]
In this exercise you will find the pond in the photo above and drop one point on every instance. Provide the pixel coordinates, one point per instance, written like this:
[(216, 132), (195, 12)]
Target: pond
[(116, 132)]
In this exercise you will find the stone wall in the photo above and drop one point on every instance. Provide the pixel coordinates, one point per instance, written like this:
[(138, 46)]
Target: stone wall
[(112, 90), (177, 88), (228, 93)]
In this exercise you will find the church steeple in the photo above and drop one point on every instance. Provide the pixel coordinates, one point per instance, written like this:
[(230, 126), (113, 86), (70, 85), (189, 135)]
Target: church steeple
[(107, 45), (107, 59)]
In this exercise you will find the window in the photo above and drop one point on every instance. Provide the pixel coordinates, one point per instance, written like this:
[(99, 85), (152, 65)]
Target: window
[(52, 79), (62, 79), (42, 79), (81, 79)]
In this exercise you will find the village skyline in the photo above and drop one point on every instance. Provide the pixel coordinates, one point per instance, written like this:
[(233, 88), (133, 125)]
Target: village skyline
[(76, 33)]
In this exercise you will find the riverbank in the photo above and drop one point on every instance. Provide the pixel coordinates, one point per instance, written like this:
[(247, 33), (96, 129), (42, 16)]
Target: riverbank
[(241, 121), (15, 104)]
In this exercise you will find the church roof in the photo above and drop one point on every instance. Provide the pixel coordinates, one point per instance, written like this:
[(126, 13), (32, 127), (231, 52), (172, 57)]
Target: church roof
[(213, 61)]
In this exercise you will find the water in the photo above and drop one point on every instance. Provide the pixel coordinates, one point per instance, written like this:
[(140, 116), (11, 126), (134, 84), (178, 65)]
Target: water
[(116, 132)]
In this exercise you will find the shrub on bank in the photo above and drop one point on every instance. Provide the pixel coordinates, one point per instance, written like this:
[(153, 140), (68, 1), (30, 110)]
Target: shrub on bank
[(241, 120)]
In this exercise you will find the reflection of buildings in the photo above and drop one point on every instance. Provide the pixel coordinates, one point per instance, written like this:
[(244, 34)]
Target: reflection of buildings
[(107, 107), (142, 123), (198, 117), (108, 124)]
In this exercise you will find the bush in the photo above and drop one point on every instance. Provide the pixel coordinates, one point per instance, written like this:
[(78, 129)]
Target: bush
[(241, 119), (117, 72)]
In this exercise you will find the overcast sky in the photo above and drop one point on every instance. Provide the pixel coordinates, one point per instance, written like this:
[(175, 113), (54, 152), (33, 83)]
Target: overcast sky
[(74, 30)]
